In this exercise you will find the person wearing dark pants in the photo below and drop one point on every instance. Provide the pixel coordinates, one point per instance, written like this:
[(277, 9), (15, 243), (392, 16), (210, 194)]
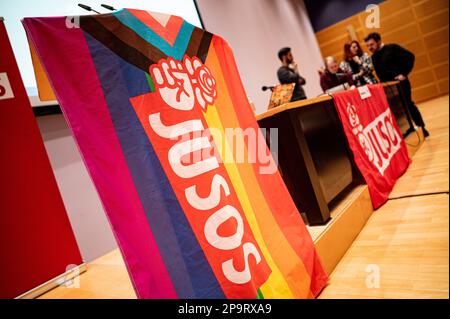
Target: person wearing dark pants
[(392, 62), (413, 109)]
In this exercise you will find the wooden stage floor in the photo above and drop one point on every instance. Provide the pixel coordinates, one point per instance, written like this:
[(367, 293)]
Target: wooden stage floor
[(406, 242)]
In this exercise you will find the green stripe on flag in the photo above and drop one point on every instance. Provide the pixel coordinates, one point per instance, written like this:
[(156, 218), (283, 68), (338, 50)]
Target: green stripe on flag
[(150, 82), (259, 295)]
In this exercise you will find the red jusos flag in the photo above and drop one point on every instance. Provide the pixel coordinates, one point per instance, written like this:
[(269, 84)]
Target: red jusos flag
[(374, 138)]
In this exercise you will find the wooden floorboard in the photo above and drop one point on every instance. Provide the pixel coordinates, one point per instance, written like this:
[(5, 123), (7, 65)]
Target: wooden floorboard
[(105, 278), (428, 172)]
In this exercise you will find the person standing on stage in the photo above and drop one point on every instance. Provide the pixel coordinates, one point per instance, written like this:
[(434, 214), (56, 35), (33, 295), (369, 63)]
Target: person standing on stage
[(358, 63), (392, 62), (288, 73)]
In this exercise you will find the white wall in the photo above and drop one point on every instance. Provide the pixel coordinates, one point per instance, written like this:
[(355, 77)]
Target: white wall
[(87, 217), (256, 30)]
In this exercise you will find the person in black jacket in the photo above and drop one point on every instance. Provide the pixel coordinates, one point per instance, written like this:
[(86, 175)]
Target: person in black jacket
[(288, 73), (392, 62)]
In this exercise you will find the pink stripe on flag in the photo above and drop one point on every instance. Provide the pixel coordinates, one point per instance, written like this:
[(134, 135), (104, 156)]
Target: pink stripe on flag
[(94, 131)]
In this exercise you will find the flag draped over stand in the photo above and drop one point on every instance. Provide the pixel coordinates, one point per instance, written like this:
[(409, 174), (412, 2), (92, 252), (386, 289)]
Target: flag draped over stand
[(143, 93), (376, 141)]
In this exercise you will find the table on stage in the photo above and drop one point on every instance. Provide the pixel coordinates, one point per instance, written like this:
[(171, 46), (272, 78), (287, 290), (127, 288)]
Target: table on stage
[(313, 154)]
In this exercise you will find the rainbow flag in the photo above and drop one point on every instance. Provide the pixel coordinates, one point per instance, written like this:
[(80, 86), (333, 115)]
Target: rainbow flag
[(151, 101)]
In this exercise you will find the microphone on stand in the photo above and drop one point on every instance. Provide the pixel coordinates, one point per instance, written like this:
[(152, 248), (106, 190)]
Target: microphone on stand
[(265, 88), (108, 7), (87, 8)]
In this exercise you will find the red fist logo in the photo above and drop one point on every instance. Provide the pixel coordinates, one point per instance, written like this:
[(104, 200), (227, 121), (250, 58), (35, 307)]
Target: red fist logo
[(183, 84)]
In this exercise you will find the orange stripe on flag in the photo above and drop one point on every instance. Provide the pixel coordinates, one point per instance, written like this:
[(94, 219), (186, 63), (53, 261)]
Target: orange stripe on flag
[(45, 90)]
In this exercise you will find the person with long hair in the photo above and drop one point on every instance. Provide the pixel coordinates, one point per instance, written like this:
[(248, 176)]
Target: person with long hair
[(358, 63)]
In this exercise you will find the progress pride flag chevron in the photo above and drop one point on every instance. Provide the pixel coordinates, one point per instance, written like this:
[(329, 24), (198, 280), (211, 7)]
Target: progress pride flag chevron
[(374, 138)]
